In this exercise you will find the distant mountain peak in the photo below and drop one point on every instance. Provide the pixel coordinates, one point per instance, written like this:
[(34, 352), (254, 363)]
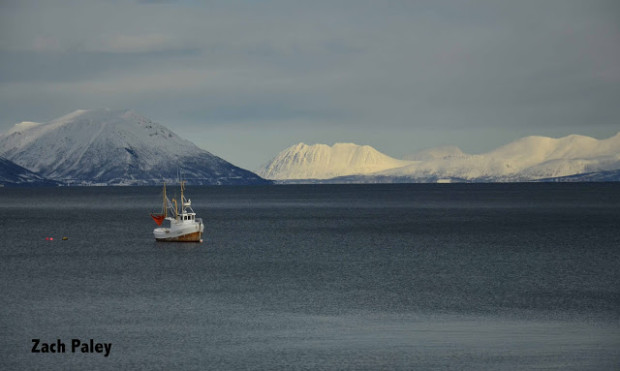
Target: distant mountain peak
[(105, 146), (321, 161)]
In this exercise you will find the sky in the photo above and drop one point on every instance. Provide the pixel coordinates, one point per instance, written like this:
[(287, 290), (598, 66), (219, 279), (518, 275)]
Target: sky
[(246, 79)]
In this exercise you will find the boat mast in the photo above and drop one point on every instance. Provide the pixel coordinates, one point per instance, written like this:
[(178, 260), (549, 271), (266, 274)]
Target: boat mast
[(164, 206), (182, 198)]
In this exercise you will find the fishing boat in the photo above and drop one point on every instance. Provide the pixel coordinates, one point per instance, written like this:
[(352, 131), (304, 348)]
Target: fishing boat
[(184, 226)]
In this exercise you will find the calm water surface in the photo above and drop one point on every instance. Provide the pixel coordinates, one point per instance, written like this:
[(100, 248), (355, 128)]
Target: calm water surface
[(347, 277)]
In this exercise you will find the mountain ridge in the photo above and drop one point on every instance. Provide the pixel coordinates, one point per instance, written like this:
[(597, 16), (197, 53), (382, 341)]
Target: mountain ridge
[(525, 159)]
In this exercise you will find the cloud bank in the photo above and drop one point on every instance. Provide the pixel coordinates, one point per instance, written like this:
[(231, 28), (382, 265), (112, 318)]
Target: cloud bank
[(245, 79)]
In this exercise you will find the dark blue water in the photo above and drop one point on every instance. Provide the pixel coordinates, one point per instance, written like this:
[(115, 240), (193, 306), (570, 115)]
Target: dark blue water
[(348, 277)]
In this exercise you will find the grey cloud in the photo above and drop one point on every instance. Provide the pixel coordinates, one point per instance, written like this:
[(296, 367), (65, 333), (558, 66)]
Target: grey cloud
[(56, 66)]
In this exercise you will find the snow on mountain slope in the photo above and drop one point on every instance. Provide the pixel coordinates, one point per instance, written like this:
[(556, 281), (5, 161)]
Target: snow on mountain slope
[(320, 161), (22, 127), (12, 174), (525, 159), (114, 147), (528, 158)]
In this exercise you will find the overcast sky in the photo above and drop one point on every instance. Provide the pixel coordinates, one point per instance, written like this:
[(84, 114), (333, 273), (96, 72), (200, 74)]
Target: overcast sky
[(246, 79)]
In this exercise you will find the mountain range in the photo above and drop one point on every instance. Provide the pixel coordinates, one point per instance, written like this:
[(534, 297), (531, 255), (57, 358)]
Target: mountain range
[(121, 147), (114, 147), (532, 158)]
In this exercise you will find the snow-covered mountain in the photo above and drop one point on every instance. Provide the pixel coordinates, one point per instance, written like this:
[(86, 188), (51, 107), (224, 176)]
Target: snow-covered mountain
[(114, 147), (12, 174), (321, 161), (526, 159)]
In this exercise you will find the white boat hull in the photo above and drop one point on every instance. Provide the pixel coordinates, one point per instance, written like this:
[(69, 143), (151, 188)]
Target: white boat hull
[(180, 232)]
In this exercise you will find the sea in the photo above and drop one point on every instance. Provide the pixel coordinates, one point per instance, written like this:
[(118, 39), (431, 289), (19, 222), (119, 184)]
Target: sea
[(314, 277)]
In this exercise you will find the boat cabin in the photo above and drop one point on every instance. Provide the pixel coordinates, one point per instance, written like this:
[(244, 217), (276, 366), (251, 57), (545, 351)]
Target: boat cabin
[(188, 216)]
